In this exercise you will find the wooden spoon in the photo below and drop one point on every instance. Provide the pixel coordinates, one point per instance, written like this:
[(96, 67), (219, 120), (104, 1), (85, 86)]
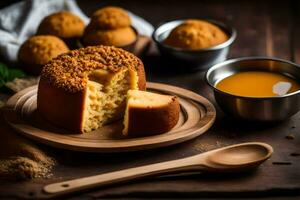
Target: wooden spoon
[(228, 159)]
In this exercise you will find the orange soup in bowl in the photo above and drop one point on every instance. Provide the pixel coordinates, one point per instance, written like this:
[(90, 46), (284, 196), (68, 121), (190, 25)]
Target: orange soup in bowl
[(258, 84)]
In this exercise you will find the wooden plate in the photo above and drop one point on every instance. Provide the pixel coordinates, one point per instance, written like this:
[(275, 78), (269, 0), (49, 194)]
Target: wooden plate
[(197, 116)]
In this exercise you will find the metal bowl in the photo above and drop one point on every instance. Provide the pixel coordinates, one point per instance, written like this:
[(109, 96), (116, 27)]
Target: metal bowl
[(252, 108), (193, 59)]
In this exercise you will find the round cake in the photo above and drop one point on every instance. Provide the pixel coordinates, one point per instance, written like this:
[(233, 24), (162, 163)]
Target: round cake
[(117, 37), (86, 88), (39, 50), (110, 18), (63, 24), (196, 34), (109, 26)]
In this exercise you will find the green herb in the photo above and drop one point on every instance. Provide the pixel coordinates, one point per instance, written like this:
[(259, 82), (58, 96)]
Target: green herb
[(9, 74)]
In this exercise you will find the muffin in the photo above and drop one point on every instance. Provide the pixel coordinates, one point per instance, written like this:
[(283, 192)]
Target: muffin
[(196, 34), (109, 26), (111, 18), (87, 87), (65, 25), (39, 50), (116, 37)]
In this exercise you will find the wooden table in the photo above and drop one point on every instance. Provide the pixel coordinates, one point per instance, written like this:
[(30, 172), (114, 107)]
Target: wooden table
[(265, 28)]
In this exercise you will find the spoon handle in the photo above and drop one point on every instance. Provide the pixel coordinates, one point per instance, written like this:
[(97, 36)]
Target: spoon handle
[(75, 185)]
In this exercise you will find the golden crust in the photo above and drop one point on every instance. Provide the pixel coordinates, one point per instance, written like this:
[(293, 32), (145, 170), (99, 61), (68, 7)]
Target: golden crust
[(39, 50), (196, 34), (110, 18), (70, 71), (118, 37), (162, 118), (64, 79), (62, 24), (66, 111), (142, 77)]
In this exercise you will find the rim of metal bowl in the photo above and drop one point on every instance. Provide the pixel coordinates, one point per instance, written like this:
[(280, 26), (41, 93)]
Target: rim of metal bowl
[(222, 64), (228, 29)]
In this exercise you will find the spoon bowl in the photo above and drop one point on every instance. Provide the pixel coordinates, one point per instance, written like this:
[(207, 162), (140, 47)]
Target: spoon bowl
[(241, 154)]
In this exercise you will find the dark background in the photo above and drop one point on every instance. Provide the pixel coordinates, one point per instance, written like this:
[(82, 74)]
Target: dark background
[(265, 27)]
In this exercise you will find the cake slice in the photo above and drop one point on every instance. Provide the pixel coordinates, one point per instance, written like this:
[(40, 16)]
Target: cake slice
[(149, 113)]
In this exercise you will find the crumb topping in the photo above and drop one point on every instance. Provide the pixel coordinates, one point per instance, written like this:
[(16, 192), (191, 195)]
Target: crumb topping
[(110, 18), (196, 34), (62, 24), (70, 71), (38, 50)]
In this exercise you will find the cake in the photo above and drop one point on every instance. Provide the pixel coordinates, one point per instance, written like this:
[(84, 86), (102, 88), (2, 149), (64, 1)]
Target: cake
[(62, 24), (85, 89), (110, 17), (65, 25), (109, 26), (196, 34), (116, 37), (39, 50), (149, 113)]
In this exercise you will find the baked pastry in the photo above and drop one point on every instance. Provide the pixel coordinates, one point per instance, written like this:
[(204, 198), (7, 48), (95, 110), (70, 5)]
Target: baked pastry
[(196, 34), (87, 87), (63, 24), (116, 37), (110, 18), (39, 50), (149, 113), (109, 26)]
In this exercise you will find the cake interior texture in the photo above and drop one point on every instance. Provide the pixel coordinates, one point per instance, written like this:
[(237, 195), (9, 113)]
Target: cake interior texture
[(84, 89), (106, 96), (150, 104)]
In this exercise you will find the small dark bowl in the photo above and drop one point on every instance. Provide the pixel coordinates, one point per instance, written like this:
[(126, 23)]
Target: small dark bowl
[(198, 59)]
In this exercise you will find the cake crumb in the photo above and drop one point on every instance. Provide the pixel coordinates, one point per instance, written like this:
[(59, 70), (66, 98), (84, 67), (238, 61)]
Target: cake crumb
[(25, 168), (21, 159)]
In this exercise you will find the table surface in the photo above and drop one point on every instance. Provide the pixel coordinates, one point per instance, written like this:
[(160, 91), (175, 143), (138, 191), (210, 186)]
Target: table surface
[(265, 28)]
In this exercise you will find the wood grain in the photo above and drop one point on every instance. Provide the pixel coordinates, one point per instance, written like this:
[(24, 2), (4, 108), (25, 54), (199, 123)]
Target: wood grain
[(295, 39)]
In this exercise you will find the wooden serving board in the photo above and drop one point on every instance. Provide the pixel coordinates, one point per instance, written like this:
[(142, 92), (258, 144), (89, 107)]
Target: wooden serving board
[(196, 117)]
